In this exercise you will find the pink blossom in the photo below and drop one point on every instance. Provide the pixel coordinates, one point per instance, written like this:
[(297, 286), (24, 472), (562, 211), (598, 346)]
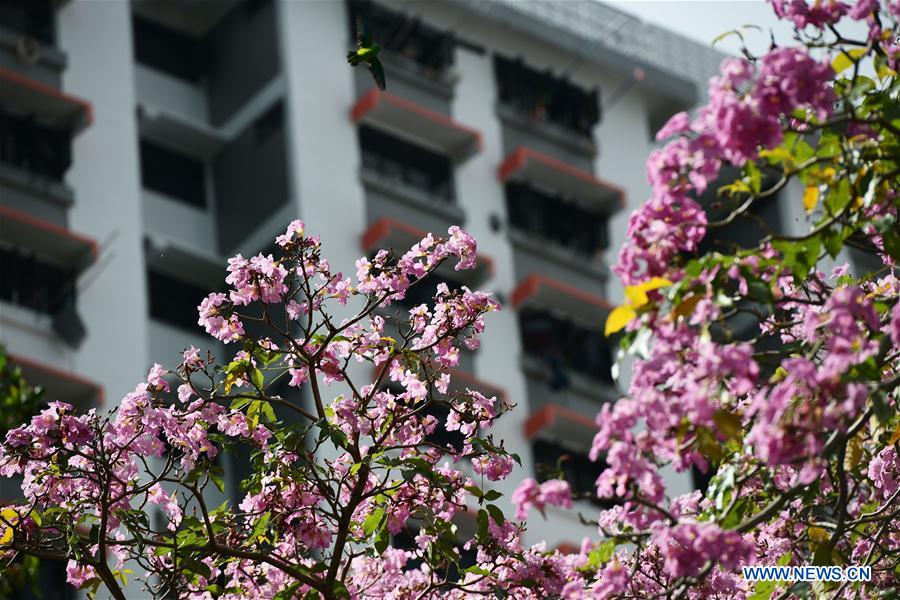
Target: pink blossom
[(530, 494), (884, 471)]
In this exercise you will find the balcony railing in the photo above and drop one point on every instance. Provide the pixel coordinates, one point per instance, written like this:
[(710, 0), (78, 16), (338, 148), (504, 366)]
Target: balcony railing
[(557, 219), (407, 163), (427, 47), (543, 95), (564, 345)]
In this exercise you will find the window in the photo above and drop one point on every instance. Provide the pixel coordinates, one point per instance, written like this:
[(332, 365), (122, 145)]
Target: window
[(406, 163), (747, 230), (440, 435), (556, 219), (34, 18), (579, 470), (31, 282), (49, 583), (271, 122), (423, 293), (175, 175), (406, 540), (564, 345), (428, 47), (27, 144), (169, 51), (174, 301), (543, 95)]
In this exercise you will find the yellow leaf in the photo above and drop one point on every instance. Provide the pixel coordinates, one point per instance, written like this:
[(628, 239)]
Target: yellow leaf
[(618, 319), (854, 451), (8, 518), (810, 197), (895, 436), (637, 294), (687, 305), (846, 59)]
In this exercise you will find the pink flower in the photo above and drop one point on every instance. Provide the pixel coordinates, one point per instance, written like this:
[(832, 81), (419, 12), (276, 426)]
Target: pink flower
[(884, 471), (687, 547), (821, 13), (494, 467), (156, 377), (529, 494), (217, 319), (677, 124), (894, 326)]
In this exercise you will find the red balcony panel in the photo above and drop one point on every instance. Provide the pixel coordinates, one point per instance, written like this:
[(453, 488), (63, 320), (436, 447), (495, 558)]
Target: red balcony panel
[(59, 384), (51, 240), (547, 292), (530, 165), (558, 423), (415, 122), (393, 234), (47, 102)]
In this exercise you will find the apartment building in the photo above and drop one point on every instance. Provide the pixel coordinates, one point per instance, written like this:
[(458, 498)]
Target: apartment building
[(144, 142)]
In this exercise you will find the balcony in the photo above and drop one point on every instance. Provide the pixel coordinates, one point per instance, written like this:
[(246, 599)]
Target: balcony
[(527, 164), (59, 384), (546, 96), (206, 61), (30, 56), (416, 123), (537, 290), (31, 97), (417, 57), (54, 242)]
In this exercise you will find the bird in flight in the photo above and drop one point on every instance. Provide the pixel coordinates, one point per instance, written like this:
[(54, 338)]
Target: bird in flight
[(367, 53)]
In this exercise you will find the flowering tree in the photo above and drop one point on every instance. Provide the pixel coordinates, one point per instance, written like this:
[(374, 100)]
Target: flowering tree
[(752, 364)]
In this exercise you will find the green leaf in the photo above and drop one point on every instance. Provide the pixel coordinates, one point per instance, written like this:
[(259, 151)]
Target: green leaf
[(194, 566), (496, 514), (373, 521), (382, 541), (257, 379), (838, 197), (259, 529), (492, 495), (762, 591), (288, 592), (482, 520)]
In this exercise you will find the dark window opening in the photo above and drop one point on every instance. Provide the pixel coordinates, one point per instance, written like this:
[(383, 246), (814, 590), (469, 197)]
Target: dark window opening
[(178, 54), (174, 301), (564, 345), (749, 229), (40, 149), (271, 122), (407, 163), (700, 479), (556, 219), (177, 176), (423, 292), (440, 436), (551, 460), (427, 46), (544, 95), (406, 540), (34, 18), (30, 281), (49, 583)]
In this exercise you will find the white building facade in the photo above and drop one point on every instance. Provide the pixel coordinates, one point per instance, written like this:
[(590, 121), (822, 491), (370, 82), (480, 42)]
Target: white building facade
[(145, 142)]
